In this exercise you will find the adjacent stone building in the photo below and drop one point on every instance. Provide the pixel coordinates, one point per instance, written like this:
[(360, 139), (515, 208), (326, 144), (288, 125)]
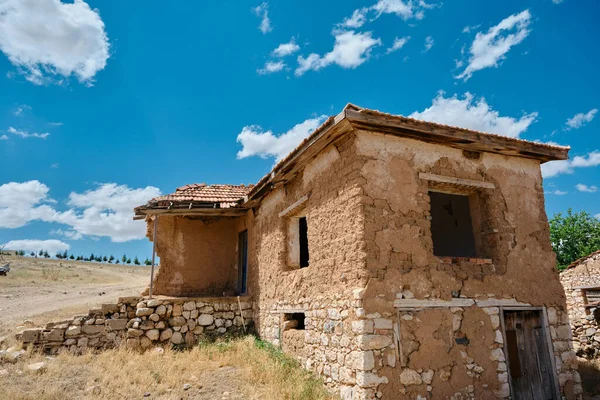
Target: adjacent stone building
[(396, 258), (581, 281)]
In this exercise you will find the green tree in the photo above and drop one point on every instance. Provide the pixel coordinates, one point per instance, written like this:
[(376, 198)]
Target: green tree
[(92, 257), (117, 262), (46, 255), (136, 261), (147, 262), (32, 254), (59, 255), (105, 259), (72, 257), (124, 259), (573, 236), (41, 253), (129, 261), (111, 259)]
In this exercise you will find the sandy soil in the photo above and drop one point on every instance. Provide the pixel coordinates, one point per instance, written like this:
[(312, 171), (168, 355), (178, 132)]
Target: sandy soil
[(39, 290)]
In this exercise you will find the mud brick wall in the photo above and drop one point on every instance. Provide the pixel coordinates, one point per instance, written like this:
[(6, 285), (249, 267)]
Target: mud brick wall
[(585, 321), (142, 323)]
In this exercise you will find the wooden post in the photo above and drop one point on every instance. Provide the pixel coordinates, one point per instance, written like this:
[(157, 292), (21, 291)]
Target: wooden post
[(153, 253)]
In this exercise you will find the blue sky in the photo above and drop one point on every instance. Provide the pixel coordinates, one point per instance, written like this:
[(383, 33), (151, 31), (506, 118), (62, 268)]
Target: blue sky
[(104, 104)]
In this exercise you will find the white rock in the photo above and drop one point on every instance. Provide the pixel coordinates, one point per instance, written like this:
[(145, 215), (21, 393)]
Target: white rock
[(37, 367), (410, 377), (205, 319)]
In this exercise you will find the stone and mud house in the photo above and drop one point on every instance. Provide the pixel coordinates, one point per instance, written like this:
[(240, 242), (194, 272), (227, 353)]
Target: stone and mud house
[(395, 258), (581, 280)]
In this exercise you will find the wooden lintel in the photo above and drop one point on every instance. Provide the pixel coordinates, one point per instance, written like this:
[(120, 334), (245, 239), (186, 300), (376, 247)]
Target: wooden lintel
[(212, 212), (294, 206), (414, 303), (456, 181)]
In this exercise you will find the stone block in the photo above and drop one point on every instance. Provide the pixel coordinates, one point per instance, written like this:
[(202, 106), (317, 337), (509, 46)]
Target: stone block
[(177, 338), (30, 335), (177, 321), (166, 334), (410, 377), (145, 325), (55, 335), (73, 331), (143, 312), (189, 306), (154, 317), (382, 323), (116, 324), (153, 303), (205, 319), (92, 329), (153, 334), (133, 333), (373, 342), (369, 380), (363, 326), (360, 360), (177, 310), (161, 310)]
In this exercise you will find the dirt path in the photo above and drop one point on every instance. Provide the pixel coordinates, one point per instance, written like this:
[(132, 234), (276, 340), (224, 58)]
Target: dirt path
[(28, 294)]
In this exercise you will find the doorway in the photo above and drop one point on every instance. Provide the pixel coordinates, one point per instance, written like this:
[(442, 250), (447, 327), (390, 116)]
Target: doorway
[(529, 359), (242, 262)]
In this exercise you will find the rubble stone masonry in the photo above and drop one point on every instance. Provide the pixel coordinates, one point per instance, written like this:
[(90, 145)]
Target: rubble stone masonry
[(142, 323), (585, 320)]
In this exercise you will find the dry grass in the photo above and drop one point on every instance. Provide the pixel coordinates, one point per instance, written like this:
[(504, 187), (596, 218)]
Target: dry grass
[(590, 377), (244, 368)]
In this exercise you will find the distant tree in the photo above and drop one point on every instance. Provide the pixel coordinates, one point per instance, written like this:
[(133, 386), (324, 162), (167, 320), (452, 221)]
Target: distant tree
[(59, 255), (65, 255), (41, 253), (117, 262), (147, 262), (46, 255), (573, 236), (79, 258), (111, 259), (72, 257), (136, 261), (129, 261), (105, 259), (98, 259), (32, 254), (124, 259), (92, 257)]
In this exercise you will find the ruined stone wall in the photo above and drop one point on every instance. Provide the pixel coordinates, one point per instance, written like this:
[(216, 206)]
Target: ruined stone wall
[(143, 323), (198, 257), (584, 322)]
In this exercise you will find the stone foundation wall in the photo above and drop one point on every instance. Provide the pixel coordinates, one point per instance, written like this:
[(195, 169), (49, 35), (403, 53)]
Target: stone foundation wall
[(143, 323)]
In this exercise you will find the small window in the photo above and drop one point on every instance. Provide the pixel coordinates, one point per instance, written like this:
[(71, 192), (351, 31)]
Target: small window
[(294, 321), (451, 225), (303, 239), (297, 241)]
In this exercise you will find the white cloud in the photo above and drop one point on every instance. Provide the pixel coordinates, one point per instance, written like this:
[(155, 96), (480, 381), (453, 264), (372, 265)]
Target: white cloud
[(3, 137), (585, 188), (350, 50), (263, 12), (557, 192), (468, 29), (398, 44), (403, 9), (48, 39), (489, 49), (25, 134), (285, 49), (271, 67), (429, 42), (357, 19), (54, 165), (105, 211), (256, 142), (557, 1), (581, 119), (55, 123), (22, 109), (73, 235), (473, 114), (23, 202), (554, 168), (52, 246)]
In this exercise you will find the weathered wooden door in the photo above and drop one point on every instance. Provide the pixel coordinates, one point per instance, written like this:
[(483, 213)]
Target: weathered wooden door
[(242, 262), (529, 362)]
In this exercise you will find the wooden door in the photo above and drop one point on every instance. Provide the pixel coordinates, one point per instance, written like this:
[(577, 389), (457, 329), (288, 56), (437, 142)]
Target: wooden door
[(529, 362), (242, 262)]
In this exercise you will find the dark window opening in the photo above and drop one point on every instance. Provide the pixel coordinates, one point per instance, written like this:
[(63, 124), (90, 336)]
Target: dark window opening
[(451, 226), (513, 354), (303, 230), (295, 320), (242, 262)]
